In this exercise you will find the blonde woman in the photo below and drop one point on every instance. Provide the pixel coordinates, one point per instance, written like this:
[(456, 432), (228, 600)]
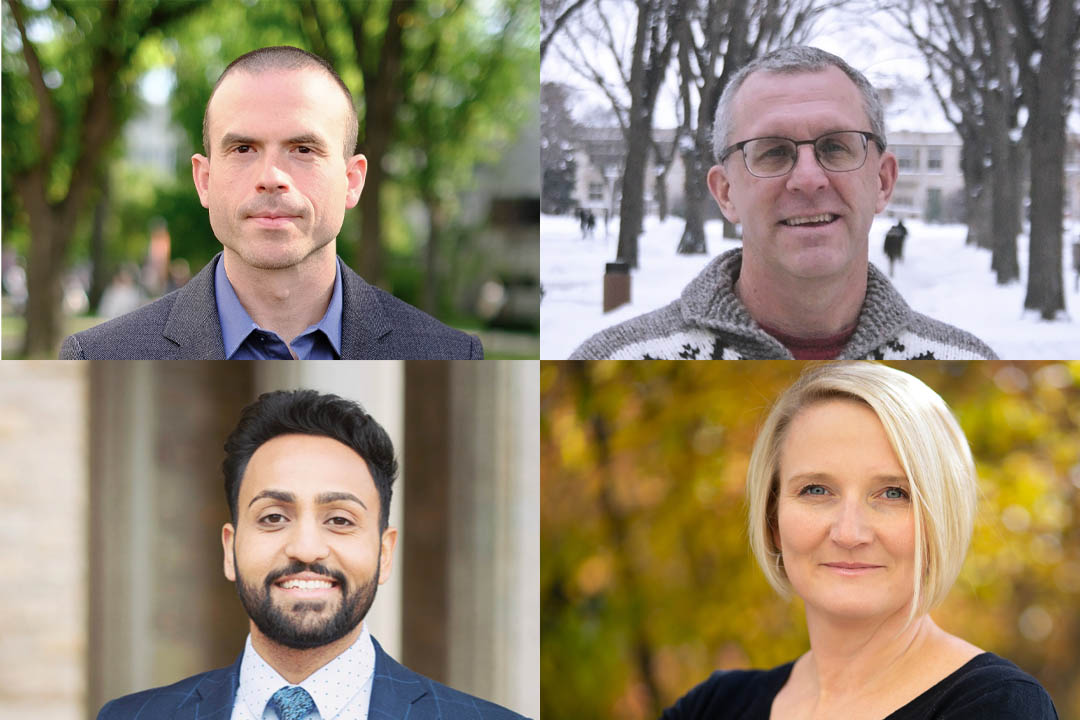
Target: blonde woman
[(861, 492)]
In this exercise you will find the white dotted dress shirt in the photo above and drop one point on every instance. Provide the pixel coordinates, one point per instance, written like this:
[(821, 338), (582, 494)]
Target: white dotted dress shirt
[(341, 689)]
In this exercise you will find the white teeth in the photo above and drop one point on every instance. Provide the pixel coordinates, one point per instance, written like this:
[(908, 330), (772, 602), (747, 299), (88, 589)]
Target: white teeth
[(305, 584), (824, 217)]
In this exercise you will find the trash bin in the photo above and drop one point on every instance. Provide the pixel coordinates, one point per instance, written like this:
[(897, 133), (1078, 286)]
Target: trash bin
[(616, 285)]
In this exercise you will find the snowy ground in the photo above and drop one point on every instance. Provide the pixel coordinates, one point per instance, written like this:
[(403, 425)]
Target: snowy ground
[(939, 276)]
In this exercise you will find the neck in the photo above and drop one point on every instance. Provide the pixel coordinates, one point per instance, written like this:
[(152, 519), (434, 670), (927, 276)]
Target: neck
[(297, 665), (856, 658), (803, 307), (286, 300)]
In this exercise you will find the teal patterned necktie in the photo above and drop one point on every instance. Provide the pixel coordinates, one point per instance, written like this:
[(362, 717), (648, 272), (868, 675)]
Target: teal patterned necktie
[(292, 702)]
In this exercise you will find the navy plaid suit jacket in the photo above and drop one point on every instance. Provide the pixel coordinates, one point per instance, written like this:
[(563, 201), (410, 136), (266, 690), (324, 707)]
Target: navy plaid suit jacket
[(184, 325), (397, 693)]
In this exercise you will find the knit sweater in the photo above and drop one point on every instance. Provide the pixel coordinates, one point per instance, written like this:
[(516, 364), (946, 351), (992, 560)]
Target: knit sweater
[(708, 321)]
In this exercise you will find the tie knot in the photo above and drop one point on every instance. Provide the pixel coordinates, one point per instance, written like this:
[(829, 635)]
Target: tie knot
[(292, 702)]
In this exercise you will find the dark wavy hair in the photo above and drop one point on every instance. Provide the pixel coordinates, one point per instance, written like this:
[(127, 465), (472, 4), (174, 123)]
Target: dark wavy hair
[(307, 412)]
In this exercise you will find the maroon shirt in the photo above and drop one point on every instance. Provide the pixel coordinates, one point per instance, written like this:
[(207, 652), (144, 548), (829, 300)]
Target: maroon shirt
[(825, 348)]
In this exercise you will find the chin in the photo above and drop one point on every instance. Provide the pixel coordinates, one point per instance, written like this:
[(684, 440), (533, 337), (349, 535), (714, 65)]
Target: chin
[(272, 253), (817, 263), (842, 606)]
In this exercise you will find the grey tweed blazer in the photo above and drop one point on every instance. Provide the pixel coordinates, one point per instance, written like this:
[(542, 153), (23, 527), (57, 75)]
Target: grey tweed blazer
[(183, 325)]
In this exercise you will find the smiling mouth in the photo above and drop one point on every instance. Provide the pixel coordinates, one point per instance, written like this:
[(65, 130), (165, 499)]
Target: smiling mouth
[(293, 585), (811, 220), (852, 568)]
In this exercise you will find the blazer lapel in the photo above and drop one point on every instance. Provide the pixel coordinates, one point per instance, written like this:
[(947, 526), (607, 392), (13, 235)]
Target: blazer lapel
[(393, 689), (193, 320), (213, 697), (363, 321)]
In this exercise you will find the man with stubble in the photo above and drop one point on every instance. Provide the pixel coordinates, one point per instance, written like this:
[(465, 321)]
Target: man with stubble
[(280, 170)]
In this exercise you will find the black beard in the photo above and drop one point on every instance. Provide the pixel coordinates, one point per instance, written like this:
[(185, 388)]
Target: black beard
[(287, 627)]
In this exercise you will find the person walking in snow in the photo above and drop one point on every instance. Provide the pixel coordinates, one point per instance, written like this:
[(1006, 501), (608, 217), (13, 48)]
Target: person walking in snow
[(802, 165), (894, 243)]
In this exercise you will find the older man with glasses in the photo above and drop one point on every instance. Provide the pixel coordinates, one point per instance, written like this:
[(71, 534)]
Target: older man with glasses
[(802, 165)]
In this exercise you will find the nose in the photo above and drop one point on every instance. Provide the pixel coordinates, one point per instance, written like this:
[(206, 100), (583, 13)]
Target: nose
[(850, 527), (807, 175), (306, 543), (271, 178)]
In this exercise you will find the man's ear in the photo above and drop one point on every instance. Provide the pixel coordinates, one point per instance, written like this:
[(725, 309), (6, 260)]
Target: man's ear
[(720, 189), (386, 553), (228, 538), (887, 173), (200, 173), (355, 174)]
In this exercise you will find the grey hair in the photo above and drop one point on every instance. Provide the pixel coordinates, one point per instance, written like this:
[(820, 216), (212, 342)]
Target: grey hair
[(792, 61)]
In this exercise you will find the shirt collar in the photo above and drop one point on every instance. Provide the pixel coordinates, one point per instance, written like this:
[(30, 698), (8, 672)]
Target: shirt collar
[(258, 680), (236, 323)]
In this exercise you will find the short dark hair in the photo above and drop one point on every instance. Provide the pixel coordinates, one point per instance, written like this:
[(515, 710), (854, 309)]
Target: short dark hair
[(285, 57), (307, 412)]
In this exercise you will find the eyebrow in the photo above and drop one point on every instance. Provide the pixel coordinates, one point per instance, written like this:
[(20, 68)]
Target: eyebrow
[(321, 499), (302, 139), (236, 139), (820, 476)]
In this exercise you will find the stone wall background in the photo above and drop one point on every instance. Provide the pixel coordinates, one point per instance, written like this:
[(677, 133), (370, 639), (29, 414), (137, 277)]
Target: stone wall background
[(43, 497)]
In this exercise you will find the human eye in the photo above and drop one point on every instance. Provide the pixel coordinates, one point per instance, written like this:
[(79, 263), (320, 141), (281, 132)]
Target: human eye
[(771, 148), (836, 145), (271, 519), (339, 521), (813, 490), (242, 149), (895, 493)]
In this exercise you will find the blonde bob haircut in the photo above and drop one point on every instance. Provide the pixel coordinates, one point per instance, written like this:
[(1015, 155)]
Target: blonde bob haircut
[(927, 441)]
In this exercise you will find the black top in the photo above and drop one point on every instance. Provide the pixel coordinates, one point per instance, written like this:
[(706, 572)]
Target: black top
[(988, 687)]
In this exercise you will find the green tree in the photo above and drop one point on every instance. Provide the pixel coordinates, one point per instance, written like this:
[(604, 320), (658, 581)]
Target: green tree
[(65, 96)]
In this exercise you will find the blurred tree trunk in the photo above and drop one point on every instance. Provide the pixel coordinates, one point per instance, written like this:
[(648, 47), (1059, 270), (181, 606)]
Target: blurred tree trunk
[(53, 214), (432, 276), (652, 50), (1000, 113), (381, 69), (1047, 53), (99, 272)]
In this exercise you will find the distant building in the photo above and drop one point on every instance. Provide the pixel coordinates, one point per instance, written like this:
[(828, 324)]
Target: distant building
[(600, 154), (1072, 178), (930, 185), (153, 140)]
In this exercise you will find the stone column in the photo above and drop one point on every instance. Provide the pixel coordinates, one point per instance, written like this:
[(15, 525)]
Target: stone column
[(43, 490), (161, 608)]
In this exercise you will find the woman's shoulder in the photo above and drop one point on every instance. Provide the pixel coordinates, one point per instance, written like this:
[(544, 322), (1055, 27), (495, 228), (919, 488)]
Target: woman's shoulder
[(988, 687), (735, 694)]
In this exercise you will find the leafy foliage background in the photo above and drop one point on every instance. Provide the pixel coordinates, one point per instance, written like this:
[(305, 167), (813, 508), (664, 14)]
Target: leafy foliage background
[(647, 581)]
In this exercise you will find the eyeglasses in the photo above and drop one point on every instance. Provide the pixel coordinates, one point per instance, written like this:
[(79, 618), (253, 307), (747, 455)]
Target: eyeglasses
[(767, 157)]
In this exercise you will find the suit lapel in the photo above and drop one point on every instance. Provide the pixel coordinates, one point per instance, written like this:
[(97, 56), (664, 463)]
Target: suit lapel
[(363, 321), (193, 320), (394, 688), (213, 697)]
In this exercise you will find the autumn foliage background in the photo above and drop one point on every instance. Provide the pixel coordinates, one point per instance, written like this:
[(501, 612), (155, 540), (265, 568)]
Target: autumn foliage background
[(647, 581)]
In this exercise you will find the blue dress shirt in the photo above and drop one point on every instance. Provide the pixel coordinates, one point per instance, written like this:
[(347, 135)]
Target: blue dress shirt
[(245, 340), (341, 689)]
